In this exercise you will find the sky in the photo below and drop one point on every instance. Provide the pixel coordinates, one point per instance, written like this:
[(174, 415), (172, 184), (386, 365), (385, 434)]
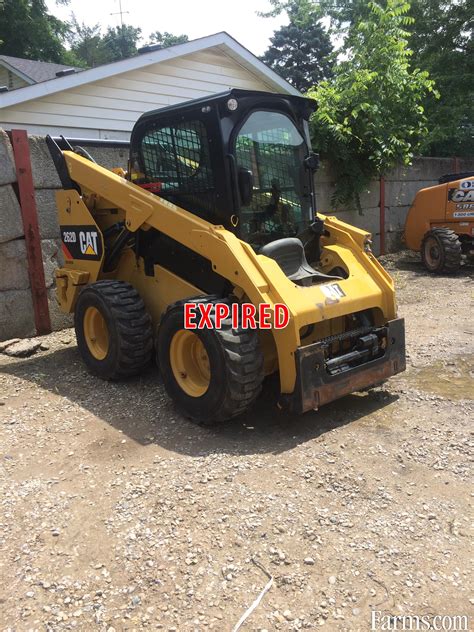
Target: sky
[(195, 18)]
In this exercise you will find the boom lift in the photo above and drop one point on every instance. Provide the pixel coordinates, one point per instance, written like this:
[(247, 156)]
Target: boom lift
[(218, 205)]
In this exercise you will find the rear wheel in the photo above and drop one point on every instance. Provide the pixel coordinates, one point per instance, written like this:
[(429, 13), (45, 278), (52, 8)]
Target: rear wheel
[(113, 329), (211, 374), (189, 362), (441, 251)]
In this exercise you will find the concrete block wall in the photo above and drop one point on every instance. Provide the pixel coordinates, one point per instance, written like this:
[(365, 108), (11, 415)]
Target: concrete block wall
[(401, 186), (16, 307)]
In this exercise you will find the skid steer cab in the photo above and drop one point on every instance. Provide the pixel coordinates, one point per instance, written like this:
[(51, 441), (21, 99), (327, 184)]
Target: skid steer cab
[(440, 223), (217, 209)]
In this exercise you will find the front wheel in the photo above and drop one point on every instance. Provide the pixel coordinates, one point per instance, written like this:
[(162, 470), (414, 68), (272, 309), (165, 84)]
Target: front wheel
[(113, 329), (441, 251), (211, 374)]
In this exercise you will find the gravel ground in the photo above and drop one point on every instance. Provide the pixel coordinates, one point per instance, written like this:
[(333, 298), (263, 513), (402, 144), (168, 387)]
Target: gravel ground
[(117, 514)]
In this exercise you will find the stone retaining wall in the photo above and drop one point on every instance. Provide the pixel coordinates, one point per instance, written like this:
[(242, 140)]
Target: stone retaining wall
[(16, 309)]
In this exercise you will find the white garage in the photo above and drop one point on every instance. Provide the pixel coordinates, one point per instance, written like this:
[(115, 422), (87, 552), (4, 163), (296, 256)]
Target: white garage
[(105, 102)]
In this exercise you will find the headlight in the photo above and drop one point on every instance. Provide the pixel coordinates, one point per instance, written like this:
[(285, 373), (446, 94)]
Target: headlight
[(232, 104)]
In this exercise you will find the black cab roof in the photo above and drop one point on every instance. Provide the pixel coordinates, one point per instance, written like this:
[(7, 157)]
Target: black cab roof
[(302, 106)]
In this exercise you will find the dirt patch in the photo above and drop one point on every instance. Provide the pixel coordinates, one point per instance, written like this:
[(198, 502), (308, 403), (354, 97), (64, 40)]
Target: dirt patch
[(117, 514)]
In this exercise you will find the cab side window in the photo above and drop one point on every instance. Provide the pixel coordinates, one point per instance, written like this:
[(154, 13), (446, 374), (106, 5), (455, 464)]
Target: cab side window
[(178, 158)]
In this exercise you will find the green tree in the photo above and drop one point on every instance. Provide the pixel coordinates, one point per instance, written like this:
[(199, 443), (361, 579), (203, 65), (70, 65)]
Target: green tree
[(304, 8), (300, 51), (441, 38), (86, 44), (166, 39), (344, 13), (90, 48), (120, 42), (370, 114), (27, 30), (442, 43)]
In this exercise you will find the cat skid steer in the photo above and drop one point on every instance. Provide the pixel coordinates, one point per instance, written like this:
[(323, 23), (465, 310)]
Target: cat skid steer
[(218, 208)]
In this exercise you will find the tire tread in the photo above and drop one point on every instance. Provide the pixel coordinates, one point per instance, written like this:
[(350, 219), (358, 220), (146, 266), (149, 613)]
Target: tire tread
[(133, 325), (244, 364), (451, 247)]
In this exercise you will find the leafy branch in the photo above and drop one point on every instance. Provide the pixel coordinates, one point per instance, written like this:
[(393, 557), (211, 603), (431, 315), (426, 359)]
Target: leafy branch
[(370, 116)]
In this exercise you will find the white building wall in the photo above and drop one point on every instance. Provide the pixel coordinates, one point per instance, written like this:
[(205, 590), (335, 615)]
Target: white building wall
[(108, 108), (10, 79)]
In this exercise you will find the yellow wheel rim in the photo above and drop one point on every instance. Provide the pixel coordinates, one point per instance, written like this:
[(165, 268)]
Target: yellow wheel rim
[(190, 363), (96, 333)]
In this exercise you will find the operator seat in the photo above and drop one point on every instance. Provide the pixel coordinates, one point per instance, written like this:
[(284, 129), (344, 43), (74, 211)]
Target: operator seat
[(290, 256)]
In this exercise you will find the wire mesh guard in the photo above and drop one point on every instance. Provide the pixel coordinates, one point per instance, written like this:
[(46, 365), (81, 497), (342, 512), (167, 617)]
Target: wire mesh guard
[(178, 157)]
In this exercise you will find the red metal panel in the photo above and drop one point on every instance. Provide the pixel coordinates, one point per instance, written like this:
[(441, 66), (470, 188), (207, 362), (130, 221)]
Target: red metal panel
[(29, 215)]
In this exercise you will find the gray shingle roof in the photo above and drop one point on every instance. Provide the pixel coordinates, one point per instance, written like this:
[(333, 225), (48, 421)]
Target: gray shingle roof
[(37, 71)]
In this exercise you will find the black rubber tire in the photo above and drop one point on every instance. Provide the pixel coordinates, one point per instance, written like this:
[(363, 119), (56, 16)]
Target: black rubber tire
[(450, 251), (236, 366), (129, 327)]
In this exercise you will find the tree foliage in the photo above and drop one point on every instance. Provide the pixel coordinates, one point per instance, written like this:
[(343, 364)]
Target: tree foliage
[(90, 48), (300, 51), (370, 115), (441, 38), (121, 42), (300, 54), (442, 43), (27, 30), (86, 44), (305, 8), (166, 39)]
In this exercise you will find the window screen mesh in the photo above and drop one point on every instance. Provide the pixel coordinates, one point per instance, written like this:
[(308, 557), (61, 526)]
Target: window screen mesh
[(178, 158)]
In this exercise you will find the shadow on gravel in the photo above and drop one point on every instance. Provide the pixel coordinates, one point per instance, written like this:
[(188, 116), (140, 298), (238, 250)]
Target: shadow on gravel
[(412, 263), (141, 409)]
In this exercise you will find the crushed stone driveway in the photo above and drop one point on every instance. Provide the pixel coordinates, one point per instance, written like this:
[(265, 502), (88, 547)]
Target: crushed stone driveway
[(118, 514)]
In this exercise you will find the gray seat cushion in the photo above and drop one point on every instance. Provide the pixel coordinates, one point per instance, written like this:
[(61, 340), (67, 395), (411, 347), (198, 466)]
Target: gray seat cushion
[(290, 256)]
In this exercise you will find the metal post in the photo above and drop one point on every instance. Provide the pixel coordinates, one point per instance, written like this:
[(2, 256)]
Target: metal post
[(382, 215), (29, 216)]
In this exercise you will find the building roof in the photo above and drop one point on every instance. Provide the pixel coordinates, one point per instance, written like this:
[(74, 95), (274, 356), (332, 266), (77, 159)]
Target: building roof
[(31, 71), (221, 40)]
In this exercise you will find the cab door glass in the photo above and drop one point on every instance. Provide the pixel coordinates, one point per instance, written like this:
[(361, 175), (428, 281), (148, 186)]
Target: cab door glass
[(271, 147)]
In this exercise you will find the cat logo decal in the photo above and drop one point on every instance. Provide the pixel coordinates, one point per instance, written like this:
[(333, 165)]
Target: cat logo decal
[(88, 243), (81, 242)]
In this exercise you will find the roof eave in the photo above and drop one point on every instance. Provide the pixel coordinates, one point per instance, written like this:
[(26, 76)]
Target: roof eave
[(223, 39)]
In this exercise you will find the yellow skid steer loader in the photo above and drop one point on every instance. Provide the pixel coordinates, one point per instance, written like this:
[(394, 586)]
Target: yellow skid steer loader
[(217, 211)]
